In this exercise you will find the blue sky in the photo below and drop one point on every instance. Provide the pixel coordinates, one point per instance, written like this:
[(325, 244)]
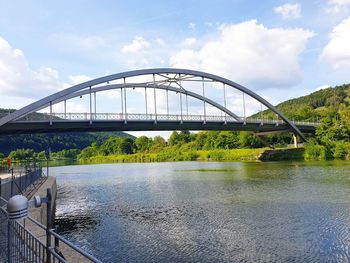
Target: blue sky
[(280, 49)]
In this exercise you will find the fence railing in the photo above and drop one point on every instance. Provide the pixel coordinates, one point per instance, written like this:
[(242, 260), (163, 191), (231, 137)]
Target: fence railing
[(59, 117), (27, 240), (18, 180)]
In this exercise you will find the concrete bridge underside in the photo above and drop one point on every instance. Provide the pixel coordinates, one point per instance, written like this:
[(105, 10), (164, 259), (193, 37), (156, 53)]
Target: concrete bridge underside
[(121, 125)]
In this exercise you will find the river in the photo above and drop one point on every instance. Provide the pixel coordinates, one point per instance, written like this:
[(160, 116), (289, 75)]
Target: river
[(207, 211)]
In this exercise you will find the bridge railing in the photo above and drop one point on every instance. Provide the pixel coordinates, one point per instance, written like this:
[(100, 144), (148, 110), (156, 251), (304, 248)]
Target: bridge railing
[(60, 117)]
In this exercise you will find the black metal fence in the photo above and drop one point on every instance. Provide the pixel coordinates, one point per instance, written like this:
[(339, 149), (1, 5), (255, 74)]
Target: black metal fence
[(19, 180), (27, 240)]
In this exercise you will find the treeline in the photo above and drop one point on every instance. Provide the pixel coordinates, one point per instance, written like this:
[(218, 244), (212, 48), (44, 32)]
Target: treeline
[(312, 107), (30, 154), (55, 141), (183, 145)]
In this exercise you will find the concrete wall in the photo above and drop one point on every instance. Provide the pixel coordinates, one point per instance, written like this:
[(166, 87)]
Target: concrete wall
[(39, 214)]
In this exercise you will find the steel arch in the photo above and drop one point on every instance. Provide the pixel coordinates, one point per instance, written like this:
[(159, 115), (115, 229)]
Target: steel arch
[(140, 85), (66, 92)]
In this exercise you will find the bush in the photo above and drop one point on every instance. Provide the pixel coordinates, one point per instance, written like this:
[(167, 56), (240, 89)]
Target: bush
[(341, 150), (315, 152)]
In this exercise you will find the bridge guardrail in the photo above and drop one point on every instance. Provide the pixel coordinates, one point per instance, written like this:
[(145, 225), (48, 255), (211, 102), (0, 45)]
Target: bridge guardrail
[(59, 117)]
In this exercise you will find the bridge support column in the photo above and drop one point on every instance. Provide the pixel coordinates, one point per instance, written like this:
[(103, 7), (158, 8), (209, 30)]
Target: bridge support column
[(295, 140)]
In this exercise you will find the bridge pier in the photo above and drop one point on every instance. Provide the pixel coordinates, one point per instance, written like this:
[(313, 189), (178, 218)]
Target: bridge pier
[(295, 140)]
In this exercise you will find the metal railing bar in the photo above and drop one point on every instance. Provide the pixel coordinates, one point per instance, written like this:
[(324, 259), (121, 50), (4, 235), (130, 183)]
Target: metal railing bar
[(92, 258)]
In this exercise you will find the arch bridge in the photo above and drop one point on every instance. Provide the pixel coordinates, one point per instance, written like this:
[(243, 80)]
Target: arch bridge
[(151, 99)]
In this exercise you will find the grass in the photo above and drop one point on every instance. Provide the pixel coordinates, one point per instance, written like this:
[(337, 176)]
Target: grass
[(166, 156)]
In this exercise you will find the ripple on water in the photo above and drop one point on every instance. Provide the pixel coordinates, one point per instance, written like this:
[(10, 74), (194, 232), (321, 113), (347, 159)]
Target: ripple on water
[(249, 215)]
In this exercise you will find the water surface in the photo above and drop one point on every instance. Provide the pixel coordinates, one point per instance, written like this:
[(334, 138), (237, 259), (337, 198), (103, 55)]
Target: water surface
[(207, 211)]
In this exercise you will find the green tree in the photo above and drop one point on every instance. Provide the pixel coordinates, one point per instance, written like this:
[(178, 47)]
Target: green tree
[(143, 143), (22, 154), (181, 137), (158, 144), (248, 140), (200, 140), (226, 140), (210, 141)]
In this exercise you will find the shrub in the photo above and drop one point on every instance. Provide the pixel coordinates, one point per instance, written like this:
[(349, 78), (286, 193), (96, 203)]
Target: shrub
[(315, 152), (341, 150)]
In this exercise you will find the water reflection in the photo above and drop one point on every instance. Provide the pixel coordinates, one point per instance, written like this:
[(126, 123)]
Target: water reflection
[(74, 223), (207, 212)]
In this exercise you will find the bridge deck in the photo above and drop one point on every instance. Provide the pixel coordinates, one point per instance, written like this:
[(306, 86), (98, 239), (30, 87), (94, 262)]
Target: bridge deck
[(147, 125)]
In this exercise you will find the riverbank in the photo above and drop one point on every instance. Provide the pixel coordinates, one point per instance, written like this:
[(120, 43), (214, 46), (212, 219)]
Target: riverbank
[(262, 154)]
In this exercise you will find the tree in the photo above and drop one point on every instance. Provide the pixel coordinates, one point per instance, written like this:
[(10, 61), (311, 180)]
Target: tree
[(158, 144), (226, 140), (143, 143), (117, 145), (200, 140), (181, 137), (248, 140), (210, 141), (22, 154)]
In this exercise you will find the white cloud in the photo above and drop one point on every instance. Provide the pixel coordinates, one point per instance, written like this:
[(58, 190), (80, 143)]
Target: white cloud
[(250, 54), (289, 11), (336, 6), (17, 79), (323, 87), (191, 26), (137, 45), (188, 42), (337, 51)]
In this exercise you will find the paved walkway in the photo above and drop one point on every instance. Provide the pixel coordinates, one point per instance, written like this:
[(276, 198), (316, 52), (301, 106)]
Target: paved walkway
[(4, 175)]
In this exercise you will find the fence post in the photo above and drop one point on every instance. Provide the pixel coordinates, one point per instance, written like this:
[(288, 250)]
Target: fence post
[(57, 242), (11, 182), (8, 241), (48, 225), (0, 188), (20, 181)]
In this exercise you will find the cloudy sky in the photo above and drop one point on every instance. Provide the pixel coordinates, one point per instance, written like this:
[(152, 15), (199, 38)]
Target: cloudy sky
[(279, 49)]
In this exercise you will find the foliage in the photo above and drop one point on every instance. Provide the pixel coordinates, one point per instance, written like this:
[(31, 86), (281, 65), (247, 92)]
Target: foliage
[(315, 151), (22, 154), (342, 150), (175, 155), (56, 142), (311, 107)]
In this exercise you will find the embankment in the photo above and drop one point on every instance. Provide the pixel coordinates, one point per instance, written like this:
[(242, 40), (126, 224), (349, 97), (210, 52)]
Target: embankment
[(282, 154), (178, 155)]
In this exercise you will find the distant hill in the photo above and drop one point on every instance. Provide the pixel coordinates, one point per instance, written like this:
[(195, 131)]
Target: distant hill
[(313, 106), (56, 141)]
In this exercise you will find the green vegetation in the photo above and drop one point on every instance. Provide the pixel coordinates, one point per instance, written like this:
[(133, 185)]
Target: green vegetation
[(330, 107), (285, 154), (182, 146), (56, 142)]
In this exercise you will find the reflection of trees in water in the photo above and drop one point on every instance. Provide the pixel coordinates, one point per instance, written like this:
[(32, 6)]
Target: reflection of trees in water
[(71, 223)]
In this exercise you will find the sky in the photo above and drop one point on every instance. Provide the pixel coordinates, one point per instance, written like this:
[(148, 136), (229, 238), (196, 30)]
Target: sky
[(279, 49)]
